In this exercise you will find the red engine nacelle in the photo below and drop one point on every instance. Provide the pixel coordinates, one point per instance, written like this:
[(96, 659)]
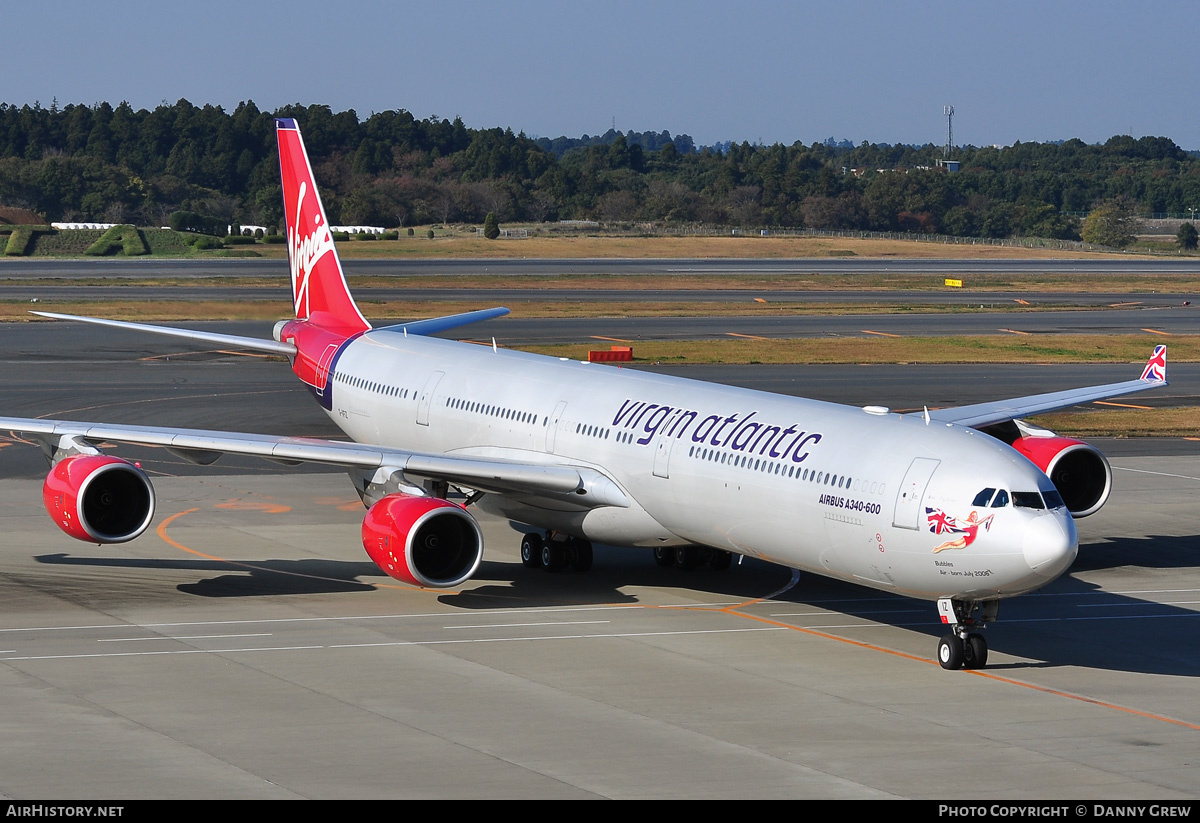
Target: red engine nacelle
[(99, 499), (1079, 471), (423, 541)]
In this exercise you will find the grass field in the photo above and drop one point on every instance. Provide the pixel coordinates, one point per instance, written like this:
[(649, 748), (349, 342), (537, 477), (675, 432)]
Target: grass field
[(460, 242), (1033, 348), (456, 245)]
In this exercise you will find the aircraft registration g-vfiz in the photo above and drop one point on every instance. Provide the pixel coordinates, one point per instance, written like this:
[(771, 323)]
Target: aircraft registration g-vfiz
[(962, 506)]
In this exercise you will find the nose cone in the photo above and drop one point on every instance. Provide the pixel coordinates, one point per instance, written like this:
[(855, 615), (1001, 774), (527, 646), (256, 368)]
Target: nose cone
[(1051, 544)]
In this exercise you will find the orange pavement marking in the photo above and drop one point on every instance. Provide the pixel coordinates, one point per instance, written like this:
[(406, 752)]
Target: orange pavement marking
[(238, 504), (161, 531), (977, 672)]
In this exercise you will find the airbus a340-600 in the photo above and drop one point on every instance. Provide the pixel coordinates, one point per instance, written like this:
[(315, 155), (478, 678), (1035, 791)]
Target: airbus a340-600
[(962, 506)]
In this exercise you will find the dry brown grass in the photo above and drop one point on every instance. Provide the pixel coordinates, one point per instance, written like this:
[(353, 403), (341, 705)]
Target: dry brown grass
[(143, 311), (1183, 421), (577, 247), (1033, 348)]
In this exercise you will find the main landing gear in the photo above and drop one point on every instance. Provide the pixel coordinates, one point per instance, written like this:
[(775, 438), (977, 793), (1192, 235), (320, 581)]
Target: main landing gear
[(964, 648), (555, 552), (693, 557)]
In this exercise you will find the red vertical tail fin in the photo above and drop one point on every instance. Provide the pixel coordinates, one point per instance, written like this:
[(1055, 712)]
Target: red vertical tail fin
[(319, 289)]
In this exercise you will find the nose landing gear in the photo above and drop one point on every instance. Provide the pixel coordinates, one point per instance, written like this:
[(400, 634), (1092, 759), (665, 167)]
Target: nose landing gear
[(964, 648)]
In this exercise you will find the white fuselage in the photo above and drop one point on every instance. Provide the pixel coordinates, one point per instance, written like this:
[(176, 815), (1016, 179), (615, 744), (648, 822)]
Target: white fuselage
[(877, 498)]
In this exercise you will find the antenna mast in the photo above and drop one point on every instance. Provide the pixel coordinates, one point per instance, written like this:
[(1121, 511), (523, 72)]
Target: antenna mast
[(949, 131)]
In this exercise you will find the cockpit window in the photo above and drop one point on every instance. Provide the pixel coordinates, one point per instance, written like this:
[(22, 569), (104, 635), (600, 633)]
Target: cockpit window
[(1053, 499), (1028, 500), (1001, 500), (981, 500)]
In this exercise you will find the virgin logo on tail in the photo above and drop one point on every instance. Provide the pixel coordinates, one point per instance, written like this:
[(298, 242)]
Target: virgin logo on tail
[(319, 288), (305, 252)]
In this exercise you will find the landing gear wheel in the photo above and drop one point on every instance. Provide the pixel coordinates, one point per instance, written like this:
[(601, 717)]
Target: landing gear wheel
[(720, 560), (581, 555), (664, 556), (531, 550), (553, 556), (975, 651), (950, 652), (686, 557)]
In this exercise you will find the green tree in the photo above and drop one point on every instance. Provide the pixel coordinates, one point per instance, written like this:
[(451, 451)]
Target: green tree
[(1109, 224), (1187, 238), (491, 228)]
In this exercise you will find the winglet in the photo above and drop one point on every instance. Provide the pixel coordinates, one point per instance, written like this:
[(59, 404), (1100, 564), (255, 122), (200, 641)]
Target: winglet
[(1156, 366)]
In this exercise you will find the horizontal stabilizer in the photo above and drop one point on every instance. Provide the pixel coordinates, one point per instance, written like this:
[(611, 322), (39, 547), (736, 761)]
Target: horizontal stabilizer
[(451, 321), (233, 340)]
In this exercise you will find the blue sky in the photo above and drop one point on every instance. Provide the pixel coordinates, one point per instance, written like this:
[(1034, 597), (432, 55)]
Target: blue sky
[(756, 71)]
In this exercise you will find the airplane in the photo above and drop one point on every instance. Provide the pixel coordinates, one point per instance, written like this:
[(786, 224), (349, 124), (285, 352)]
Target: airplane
[(961, 506)]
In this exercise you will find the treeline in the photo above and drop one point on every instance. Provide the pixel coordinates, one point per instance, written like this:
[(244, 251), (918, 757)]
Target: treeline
[(122, 165)]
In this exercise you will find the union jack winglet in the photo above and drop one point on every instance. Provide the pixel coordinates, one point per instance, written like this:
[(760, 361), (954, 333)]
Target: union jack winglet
[(1156, 366), (319, 288)]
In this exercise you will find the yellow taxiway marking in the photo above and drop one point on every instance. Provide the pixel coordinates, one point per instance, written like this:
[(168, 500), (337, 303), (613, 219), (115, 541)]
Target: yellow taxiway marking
[(611, 339), (1129, 303), (1014, 331), (759, 300), (1022, 302), (880, 333), (1121, 405), (1156, 331), (747, 336)]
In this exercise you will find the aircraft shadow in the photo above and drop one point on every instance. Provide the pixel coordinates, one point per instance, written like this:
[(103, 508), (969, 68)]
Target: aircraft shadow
[(1148, 552), (245, 579), (1069, 623)]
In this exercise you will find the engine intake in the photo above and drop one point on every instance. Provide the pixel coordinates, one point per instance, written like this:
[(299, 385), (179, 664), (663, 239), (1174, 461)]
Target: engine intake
[(423, 541), (1078, 470), (99, 499)]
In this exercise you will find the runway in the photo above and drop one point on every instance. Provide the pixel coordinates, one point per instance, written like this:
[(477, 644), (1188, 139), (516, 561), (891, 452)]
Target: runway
[(247, 648)]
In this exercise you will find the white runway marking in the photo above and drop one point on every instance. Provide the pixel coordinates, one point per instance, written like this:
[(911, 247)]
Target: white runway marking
[(393, 643), (180, 637)]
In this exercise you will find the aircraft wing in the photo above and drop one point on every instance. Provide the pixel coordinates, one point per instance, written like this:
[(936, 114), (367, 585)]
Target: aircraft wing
[(583, 486), (978, 415)]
